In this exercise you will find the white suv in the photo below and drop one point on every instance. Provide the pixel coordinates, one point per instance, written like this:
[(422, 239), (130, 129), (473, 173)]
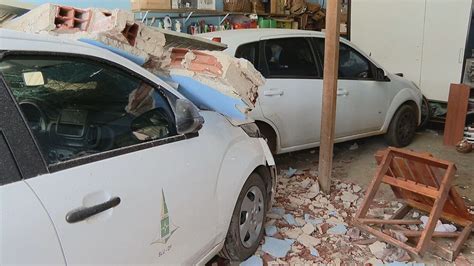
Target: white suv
[(104, 163), (370, 100)]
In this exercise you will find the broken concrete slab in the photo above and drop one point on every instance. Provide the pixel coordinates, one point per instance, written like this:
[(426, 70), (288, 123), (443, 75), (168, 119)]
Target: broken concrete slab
[(305, 183), (440, 227), (339, 229), (356, 188), (314, 252), (374, 262), (353, 233), (349, 197), (308, 229), (300, 221), (313, 221), (294, 233), (270, 230), (253, 261), (336, 221), (290, 172), (315, 188), (275, 247), (378, 249), (308, 241), (289, 218)]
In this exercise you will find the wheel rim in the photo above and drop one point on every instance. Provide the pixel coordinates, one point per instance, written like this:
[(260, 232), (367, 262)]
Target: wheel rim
[(406, 128), (251, 216)]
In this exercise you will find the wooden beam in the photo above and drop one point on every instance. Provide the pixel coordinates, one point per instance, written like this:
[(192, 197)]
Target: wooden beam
[(386, 238), (411, 233), (328, 110), (436, 212), (412, 186), (458, 103), (380, 221), (402, 212)]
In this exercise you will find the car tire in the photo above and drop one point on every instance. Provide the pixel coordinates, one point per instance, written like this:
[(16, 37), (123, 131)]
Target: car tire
[(248, 219), (403, 126)]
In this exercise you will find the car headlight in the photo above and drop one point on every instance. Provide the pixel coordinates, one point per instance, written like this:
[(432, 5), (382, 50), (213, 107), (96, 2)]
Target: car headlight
[(252, 130)]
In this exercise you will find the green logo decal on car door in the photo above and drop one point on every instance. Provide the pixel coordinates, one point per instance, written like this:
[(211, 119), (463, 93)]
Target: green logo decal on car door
[(166, 227)]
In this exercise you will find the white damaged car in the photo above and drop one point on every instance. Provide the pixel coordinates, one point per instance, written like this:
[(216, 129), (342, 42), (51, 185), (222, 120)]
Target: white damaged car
[(370, 100), (104, 163)]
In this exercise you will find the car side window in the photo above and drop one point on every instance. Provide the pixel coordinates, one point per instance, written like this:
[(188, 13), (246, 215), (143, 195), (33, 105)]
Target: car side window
[(352, 65), (9, 171), (250, 52), (77, 107), (290, 58)]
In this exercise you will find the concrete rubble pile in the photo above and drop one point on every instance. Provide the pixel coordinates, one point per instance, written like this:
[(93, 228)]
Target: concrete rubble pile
[(117, 29), (306, 227), (235, 77)]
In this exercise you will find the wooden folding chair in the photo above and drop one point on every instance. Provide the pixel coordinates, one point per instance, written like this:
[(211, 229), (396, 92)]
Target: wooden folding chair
[(423, 183)]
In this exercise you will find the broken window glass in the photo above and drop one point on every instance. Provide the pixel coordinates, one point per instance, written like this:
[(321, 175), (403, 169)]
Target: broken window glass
[(84, 107)]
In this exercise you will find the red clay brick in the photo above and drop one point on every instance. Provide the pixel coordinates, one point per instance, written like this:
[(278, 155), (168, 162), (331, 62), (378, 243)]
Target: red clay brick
[(72, 18)]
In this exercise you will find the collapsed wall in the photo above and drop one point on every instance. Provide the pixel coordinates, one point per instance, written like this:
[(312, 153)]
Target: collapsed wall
[(235, 77), (117, 29)]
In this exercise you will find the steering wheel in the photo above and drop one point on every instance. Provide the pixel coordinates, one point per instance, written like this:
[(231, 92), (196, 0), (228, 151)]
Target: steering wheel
[(34, 115)]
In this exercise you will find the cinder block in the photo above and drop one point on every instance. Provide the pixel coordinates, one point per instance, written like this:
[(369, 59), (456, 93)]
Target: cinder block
[(131, 32), (72, 18)]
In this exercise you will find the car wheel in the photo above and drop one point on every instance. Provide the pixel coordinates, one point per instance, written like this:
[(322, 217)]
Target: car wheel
[(246, 227), (402, 129)]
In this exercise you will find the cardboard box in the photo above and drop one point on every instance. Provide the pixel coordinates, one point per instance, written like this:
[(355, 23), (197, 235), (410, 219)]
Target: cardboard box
[(138, 5), (194, 4), (343, 17), (274, 6)]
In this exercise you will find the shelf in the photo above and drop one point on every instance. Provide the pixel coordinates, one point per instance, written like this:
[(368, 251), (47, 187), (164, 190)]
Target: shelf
[(206, 12)]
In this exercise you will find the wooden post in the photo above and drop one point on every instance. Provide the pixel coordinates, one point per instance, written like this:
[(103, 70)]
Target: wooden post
[(328, 110)]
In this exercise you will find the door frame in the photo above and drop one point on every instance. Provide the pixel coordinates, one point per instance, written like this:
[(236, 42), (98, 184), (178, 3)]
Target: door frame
[(35, 164), (19, 137)]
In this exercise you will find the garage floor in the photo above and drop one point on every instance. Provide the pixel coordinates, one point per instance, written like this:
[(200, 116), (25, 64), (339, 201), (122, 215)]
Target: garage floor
[(356, 164)]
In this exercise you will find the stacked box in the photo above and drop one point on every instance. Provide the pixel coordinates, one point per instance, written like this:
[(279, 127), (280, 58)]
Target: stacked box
[(138, 5)]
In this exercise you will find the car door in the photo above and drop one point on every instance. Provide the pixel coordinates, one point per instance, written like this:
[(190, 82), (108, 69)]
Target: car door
[(291, 97), (123, 187), (362, 97), (27, 234)]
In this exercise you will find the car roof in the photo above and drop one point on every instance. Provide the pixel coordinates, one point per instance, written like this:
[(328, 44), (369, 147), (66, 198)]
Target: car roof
[(235, 38), (256, 34), (11, 40)]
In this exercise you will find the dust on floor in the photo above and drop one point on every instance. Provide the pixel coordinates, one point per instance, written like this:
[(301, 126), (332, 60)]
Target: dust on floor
[(321, 231)]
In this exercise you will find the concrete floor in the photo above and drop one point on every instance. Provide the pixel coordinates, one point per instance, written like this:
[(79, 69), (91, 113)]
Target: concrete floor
[(358, 166)]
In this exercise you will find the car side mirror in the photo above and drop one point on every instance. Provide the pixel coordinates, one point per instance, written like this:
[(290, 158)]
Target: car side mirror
[(188, 119)]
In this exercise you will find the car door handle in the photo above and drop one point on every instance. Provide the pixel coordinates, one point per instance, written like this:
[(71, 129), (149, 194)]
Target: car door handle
[(83, 213), (273, 92), (342, 92)]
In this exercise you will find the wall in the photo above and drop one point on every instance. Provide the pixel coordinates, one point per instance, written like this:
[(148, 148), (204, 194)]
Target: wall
[(424, 39)]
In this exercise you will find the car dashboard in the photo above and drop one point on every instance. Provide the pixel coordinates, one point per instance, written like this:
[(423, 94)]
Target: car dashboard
[(76, 130)]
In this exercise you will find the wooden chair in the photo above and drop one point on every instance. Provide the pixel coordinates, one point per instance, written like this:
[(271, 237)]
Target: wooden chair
[(422, 182)]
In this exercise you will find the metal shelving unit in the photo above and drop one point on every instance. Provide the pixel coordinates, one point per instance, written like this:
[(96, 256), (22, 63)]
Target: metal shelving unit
[(186, 14)]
